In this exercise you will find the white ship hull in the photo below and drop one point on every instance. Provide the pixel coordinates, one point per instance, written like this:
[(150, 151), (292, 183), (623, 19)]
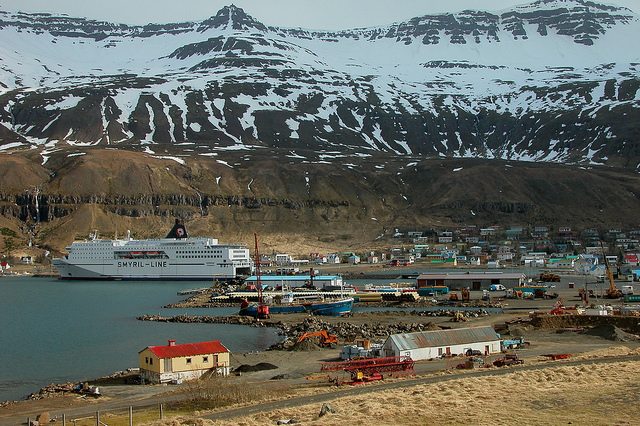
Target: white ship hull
[(162, 259)]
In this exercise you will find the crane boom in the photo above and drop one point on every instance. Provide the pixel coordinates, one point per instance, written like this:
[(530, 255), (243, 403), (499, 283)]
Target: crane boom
[(612, 292)]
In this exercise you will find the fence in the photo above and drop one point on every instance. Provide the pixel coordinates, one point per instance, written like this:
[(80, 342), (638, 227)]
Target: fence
[(116, 417)]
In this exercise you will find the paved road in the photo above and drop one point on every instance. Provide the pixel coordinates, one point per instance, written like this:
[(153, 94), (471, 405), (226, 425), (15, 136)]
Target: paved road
[(361, 390)]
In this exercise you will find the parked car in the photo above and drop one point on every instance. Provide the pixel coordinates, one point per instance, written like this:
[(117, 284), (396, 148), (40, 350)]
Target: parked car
[(497, 287)]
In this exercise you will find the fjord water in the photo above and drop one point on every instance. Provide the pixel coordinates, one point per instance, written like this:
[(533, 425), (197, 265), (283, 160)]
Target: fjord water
[(55, 331)]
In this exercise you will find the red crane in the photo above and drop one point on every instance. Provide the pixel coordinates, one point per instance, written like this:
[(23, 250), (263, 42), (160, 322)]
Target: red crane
[(263, 310)]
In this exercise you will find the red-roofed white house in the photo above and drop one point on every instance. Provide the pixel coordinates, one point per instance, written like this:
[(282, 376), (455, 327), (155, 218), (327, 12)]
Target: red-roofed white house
[(175, 363)]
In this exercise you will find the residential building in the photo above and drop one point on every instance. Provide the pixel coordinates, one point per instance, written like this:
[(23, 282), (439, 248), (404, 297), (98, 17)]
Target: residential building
[(175, 363), (486, 232), (283, 259)]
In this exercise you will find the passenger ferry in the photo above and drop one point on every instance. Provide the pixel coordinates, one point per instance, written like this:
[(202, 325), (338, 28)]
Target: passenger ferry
[(175, 257)]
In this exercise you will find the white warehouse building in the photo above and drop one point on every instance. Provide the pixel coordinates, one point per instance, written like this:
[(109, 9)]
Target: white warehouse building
[(435, 344)]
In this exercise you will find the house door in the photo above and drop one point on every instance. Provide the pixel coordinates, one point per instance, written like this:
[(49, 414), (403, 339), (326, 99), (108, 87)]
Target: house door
[(486, 349), (475, 285), (168, 368), (448, 351)]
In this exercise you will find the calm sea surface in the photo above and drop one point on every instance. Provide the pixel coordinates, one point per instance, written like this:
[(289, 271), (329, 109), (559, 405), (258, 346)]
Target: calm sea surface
[(56, 331)]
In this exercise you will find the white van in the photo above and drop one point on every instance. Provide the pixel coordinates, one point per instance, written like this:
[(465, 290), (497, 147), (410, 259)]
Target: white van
[(627, 289), (497, 287)]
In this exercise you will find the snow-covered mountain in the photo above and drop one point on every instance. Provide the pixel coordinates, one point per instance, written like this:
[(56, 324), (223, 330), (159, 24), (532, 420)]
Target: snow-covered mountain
[(553, 80)]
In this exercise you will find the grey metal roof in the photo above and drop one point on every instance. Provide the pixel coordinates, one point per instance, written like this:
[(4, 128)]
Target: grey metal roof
[(441, 338), (472, 276), (293, 278)]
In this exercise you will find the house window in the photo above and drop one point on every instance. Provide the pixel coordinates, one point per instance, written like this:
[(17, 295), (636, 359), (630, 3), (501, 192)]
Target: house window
[(146, 360), (439, 351), (150, 361), (205, 359), (188, 360)]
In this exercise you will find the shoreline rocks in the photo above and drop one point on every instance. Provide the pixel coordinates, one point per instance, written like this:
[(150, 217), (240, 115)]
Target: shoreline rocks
[(346, 331)]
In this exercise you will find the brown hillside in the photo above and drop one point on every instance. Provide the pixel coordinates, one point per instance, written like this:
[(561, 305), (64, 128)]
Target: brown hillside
[(302, 205)]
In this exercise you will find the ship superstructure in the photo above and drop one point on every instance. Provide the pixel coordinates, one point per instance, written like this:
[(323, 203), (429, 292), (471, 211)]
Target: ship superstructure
[(180, 258)]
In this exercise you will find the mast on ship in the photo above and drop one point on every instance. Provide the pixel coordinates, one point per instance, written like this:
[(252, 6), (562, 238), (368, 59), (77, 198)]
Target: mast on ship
[(263, 310)]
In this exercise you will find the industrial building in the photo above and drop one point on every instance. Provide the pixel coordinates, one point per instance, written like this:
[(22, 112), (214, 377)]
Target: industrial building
[(325, 282), (434, 344), (175, 363), (471, 280)]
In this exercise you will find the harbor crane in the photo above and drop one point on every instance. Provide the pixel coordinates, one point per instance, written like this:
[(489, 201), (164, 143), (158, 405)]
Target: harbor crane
[(612, 292)]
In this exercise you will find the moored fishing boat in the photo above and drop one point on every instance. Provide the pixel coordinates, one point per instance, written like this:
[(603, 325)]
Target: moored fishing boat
[(327, 308)]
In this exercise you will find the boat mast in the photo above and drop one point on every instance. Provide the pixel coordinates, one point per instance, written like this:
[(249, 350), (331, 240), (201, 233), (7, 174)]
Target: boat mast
[(257, 266), (263, 310)]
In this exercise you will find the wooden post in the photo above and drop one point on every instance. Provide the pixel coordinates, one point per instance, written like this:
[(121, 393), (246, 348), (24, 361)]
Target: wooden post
[(28, 421), (97, 418), (130, 416), (64, 419), (161, 412)]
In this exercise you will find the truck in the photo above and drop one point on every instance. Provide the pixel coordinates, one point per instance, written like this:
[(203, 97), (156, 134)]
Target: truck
[(627, 289), (508, 359), (515, 343)]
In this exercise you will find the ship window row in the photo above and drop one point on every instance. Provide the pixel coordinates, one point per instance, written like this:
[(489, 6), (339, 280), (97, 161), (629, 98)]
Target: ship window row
[(198, 251), (208, 256)]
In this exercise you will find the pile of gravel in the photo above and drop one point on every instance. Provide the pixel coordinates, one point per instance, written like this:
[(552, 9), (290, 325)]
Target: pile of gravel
[(611, 332), (245, 368)]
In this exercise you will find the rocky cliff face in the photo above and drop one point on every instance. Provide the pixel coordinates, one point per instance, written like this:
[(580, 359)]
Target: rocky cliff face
[(301, 204)]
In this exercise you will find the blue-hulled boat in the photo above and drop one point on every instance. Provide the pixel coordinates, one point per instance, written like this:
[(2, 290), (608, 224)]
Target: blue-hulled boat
[(328, 308)]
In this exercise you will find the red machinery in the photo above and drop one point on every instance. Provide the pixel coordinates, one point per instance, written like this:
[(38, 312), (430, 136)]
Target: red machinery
[(558, 308), (372, 365), (371, 369), (554, 357), (263, 310)]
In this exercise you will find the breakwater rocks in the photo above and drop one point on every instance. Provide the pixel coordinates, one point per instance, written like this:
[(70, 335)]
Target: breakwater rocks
[(344, 330), (53, 390), (209, 319), (475, 313)]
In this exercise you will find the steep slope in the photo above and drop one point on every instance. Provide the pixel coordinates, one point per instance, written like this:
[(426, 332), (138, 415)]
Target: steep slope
[(550, 81), (307, 205)]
